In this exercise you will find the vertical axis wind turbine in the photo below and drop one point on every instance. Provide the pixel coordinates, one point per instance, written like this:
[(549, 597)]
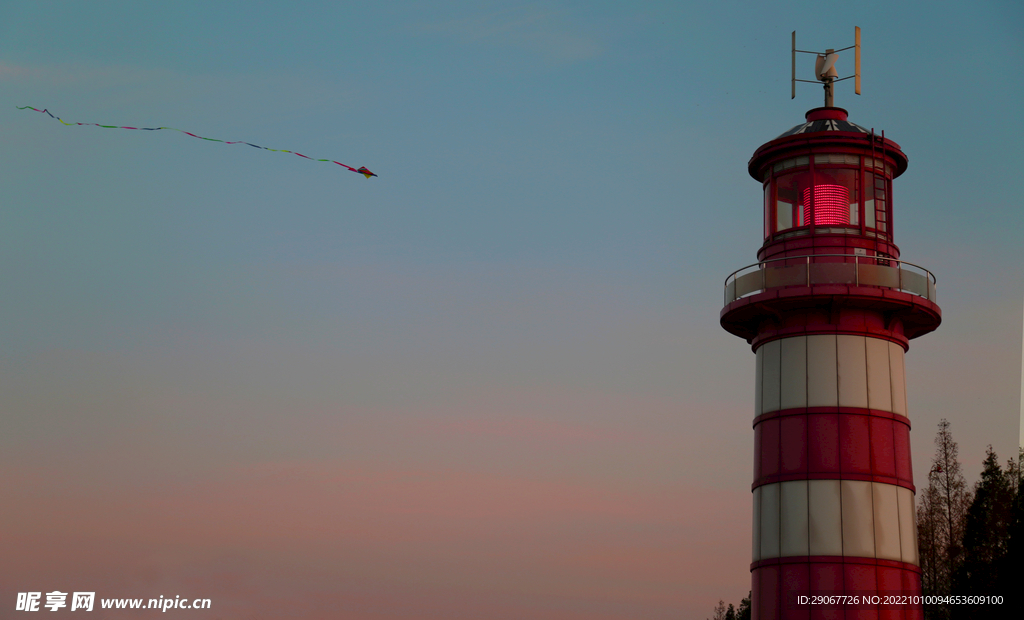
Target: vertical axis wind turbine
[(825, 68)]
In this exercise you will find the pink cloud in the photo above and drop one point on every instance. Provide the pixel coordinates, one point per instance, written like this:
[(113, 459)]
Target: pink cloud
[(298, 539)]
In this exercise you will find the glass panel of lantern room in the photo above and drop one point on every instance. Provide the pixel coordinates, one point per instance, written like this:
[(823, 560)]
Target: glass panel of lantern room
[(876, 201), (869, 199), (855, 199), (888, 203), (880, 203), (783, 216), (788, 199), (767, 209)]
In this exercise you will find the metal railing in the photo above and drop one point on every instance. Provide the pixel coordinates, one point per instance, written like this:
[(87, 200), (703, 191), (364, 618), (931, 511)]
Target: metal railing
[(877, 271)]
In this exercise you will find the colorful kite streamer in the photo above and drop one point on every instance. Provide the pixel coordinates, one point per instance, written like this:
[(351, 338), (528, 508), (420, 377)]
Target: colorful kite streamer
[(361, 170)]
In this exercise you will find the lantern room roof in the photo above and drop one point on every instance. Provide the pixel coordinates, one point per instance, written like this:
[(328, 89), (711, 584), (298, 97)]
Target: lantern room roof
[(825, 119), (828, 128)]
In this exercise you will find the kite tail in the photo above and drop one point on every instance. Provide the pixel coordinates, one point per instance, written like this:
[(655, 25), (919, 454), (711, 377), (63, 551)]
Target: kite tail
[(363, 171)]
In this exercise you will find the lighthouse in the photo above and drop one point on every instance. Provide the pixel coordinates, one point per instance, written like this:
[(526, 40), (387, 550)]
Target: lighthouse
[(829, 310)]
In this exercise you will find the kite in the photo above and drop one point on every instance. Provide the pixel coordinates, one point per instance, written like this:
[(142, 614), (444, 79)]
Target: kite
[(361, 170)]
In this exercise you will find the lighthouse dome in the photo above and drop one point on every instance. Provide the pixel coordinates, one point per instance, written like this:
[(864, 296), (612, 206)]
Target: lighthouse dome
[(824, 119)]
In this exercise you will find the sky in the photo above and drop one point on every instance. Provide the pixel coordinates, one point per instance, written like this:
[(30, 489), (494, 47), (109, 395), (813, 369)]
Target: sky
[(490, 382)]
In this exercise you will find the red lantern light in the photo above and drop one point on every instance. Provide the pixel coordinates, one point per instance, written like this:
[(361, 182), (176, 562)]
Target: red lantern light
[(831, 204)]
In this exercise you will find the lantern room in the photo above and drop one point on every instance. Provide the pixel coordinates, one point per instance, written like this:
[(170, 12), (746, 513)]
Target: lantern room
[(828, 185), (828, 229)]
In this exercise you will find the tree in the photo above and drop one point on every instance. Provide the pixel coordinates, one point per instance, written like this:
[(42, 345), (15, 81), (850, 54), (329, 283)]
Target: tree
[(1009, 567), (743, 613), (1013, 471), (929, 520), (719, 611), (986, 534), (731, 613), (941, 519)]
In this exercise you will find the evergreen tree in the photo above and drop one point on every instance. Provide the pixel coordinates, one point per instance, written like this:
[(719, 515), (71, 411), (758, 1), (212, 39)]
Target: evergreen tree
[(1009, 569), (1013, 472), (719, 611), (730, 614), (986, 535), (743, 613)]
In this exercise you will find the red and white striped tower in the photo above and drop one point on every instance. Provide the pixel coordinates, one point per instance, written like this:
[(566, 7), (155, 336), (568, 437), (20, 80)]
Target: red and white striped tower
[(829, 310)]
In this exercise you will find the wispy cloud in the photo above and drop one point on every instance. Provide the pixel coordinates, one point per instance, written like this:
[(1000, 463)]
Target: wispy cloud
[(536, 30)]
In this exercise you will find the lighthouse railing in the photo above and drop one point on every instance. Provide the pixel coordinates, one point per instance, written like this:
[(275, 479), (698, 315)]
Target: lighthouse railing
[(807, 271)]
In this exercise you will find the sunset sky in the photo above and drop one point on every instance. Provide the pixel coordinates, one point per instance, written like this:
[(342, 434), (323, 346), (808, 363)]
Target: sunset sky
[(490, 383)]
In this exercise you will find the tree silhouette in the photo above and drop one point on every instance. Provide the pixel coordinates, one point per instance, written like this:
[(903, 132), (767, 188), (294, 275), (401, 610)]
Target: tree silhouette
[(987, 535), (743, 613), (731, 613), (941, 518), (1009, 568)]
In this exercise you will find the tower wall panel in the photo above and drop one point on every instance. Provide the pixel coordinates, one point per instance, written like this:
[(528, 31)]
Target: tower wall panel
[(845, 518), (793, 374), (908, 526), (828, 370), (851, 371), (899, 381), (878, 374), (858, 537), (886, 522), (822, 384), (771, 377), (758, 380), (793, 530), (770, 521), (824, 518)]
